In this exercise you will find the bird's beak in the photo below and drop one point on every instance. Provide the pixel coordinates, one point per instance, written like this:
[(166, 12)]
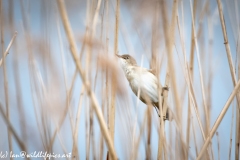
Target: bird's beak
[(119, 56)]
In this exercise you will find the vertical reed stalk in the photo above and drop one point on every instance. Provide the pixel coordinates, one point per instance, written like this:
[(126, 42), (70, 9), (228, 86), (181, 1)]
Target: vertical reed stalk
[(191, 72), (218, 144), (234, 79), (113, 88), (5, 76), (95, 105)]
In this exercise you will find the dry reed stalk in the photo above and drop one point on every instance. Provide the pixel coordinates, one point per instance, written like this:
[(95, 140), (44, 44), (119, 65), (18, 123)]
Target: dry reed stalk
[(200, 69), (5, 77), (40, 90), (65, 112), (107, 72), (62, 56), (113, 88), (89, 48), (155, 40), (36, 112), (135, 121), (104, 103), (100, 142), (219, 119), (161, 133), (237, 17), (92, 96), (191, 63), (234, 79), (230, 144), (162, 140), (191, 91), (112, 106), (228, 51), (91, 136), (137, 143), (89, 10), (87, 127), (11, 128), (69, 93), (3, 60), (92, 35), (193, 99), (188, 124), (170, 69), (188, 79), (31, 66), (17, 79), (237, 129), (231, 18), (191, 71), (64, 73), (218, 144), (62, 144), (169, 35), (194, 137), (149, 131), (201, 75), (162, 103), (210, 75), (77, 121), (8, 48)]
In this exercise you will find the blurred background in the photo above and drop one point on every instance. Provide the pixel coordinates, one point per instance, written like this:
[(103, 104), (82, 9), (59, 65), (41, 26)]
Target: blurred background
[(49, 109)]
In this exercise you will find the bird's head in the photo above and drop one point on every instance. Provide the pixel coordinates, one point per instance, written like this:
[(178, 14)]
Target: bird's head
[(127, 60)]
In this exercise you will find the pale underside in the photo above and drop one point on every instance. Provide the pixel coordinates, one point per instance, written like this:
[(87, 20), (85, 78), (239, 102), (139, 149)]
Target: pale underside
[(143, 81)]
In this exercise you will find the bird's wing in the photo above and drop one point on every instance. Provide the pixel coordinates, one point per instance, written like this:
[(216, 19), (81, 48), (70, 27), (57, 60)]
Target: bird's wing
[(149, 85)]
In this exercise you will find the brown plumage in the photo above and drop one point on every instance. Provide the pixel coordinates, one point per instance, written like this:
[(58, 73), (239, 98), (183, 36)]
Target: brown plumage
[(141, 79)]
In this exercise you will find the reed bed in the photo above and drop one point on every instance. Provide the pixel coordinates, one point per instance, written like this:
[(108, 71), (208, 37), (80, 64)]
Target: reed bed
[(63, 93)]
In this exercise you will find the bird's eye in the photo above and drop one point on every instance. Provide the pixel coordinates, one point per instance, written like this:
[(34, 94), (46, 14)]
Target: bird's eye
[(127, 57)]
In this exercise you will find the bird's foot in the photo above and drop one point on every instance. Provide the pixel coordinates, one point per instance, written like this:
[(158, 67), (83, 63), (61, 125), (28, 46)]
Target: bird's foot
[(164, 118), (165, 88)]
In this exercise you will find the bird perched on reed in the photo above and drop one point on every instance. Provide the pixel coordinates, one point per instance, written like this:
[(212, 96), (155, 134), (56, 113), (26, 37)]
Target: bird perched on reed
[(142, 81)]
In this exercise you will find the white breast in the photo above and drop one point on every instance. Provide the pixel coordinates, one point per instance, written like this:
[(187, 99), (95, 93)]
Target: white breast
[(141, 78)]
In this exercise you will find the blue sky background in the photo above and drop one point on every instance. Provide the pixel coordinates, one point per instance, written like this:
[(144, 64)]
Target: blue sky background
[(135, 30)]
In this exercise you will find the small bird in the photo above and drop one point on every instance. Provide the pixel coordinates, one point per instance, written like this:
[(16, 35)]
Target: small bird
[(141, 80)]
